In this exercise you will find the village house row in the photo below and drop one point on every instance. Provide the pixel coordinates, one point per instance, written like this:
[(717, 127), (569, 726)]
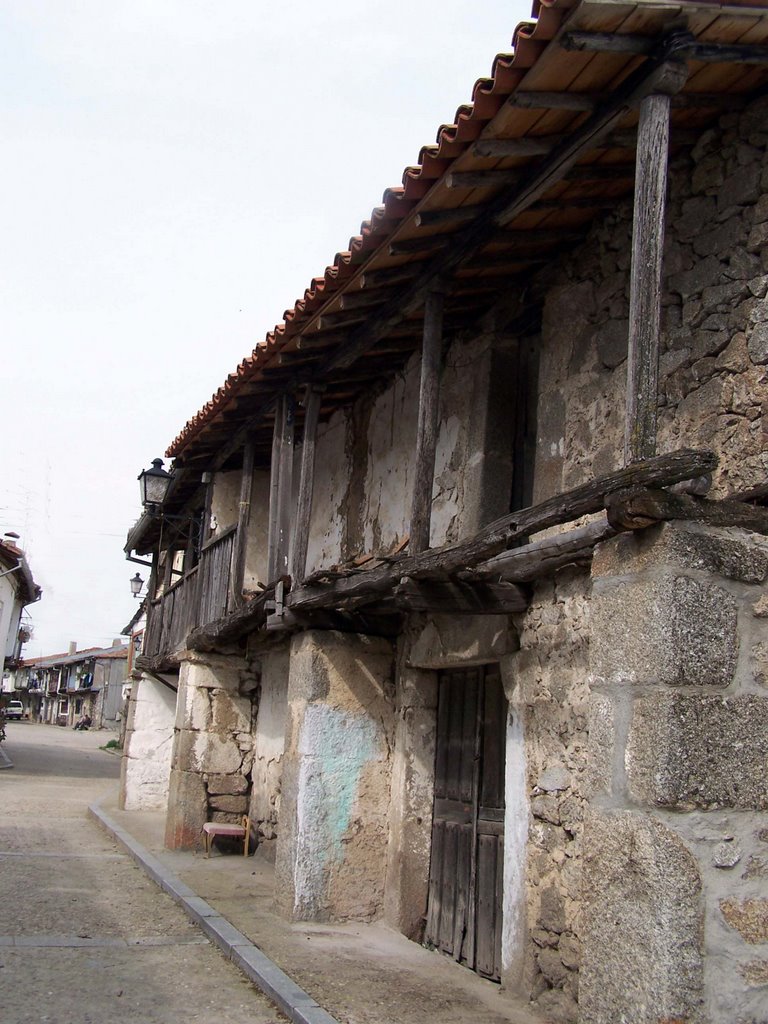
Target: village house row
[(457, 588)]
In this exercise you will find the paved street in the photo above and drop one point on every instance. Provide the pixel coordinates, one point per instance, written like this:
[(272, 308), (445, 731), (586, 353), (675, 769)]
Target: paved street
[(85, 937)]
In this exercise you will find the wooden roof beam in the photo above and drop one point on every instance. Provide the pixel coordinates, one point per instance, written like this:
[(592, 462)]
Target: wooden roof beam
[(580, 101), (685, 46), (506, 179), (625, 139)]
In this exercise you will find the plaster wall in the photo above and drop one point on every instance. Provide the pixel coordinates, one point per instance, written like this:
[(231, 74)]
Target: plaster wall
[(365, 459), (225, 500), (332, 469), (331, 847), (258, 532), (146, 762), (225, 507), (268, 749)]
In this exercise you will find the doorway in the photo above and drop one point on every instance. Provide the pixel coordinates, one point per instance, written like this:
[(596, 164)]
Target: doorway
[(464, 914)]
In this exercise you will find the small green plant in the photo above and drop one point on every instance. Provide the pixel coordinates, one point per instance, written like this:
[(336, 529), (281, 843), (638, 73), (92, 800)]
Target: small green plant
[(112, 745)]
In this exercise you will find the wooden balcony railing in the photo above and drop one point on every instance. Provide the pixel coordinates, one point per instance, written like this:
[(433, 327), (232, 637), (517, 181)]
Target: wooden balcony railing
[(199, 597), (215, 571)]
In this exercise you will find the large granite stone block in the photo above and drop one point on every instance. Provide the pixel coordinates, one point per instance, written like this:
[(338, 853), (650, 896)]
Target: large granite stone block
[(734, 554), (187, 811), (642, 924), (666, 628), (699, 751)]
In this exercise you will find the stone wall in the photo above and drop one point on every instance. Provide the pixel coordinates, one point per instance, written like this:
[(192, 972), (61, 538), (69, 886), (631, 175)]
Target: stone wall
[(212, 747), (713, 383), (547, 683), (674, 845)]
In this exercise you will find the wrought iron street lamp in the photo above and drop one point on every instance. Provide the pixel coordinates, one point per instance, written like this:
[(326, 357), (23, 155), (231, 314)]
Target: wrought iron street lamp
[(154, 484), (136, 584)]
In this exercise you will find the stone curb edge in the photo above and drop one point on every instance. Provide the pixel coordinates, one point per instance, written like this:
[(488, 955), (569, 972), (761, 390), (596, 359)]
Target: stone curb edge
[(294, 1002)]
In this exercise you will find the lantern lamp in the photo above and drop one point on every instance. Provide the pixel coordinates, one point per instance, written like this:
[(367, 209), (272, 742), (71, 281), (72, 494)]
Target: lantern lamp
[(154, 484)]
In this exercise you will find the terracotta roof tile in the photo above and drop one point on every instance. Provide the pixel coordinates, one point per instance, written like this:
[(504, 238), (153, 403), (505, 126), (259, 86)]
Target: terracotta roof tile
[(487, 96), (453, 142)]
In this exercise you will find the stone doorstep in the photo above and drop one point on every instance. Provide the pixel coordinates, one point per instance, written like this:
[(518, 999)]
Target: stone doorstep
[(294, 1002)]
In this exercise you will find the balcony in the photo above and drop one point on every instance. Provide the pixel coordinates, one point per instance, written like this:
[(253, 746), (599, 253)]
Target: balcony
[(202, 595)]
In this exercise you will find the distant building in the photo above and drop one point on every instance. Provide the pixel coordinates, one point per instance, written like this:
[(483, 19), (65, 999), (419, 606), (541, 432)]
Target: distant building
[(60, 688)]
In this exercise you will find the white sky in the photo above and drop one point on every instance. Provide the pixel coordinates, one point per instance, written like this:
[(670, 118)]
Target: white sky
[(175, 172)]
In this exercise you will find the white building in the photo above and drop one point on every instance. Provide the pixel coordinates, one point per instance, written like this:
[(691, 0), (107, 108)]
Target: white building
[(17, 590)]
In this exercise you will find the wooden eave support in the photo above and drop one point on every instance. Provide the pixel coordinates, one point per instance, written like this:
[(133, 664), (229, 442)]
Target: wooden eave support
[(441, 563), (645, 276), (543, 557), (280, 483), (428, 420), (457, 597), (237, 573), (306, 484), (638, 509)]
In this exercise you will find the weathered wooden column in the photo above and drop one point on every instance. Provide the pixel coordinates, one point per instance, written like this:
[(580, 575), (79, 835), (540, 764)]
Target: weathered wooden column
[(237, 575), (274, 472), (426, 436), (306, 484), (647, 255), (280, 487)]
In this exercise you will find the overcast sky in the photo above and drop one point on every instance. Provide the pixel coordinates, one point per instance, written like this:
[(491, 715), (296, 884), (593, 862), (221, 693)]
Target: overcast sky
[(175, 172)]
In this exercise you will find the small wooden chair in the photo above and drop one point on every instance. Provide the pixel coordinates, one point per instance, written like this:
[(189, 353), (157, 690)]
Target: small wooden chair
[(223, 828)]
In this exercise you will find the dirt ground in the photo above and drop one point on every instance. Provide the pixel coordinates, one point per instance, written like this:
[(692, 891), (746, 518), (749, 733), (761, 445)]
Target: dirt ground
[(85, 937)]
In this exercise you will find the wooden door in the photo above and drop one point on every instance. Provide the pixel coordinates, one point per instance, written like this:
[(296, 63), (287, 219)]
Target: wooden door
[(466, 867)]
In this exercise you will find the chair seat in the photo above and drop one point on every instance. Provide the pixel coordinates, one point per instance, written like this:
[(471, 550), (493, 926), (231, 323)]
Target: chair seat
[(216, 828), (225, 828)]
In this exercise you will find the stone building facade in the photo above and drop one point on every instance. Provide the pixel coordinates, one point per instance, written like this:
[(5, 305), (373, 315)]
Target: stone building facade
[(633, 741)]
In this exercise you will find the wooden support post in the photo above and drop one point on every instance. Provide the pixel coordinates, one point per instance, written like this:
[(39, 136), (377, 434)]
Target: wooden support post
[(284, 489), (237, 575), (205, 530), (306, 484), (274, 479), (645, 280), (426, 436)]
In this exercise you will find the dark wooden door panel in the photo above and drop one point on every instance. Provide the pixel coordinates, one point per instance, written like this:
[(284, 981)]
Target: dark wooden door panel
[(464, 912), (489, 876)]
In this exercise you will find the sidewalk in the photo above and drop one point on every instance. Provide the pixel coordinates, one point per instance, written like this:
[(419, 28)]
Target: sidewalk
[(356, 973)]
